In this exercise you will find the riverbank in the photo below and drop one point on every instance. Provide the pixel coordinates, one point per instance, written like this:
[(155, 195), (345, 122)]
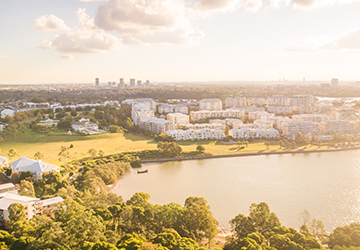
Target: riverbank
[(298, 151)]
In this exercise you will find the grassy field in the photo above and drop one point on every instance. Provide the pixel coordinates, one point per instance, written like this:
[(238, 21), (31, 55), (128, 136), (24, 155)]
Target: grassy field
[(49, 145)]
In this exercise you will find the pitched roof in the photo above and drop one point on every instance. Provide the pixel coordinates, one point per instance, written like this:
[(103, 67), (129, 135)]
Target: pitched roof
[(22, 163), (43, 167)]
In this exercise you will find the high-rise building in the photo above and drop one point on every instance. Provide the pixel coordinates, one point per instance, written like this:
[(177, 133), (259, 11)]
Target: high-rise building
[(132, 82), (97, 82), (334, 82), (109, 83), (121, 83), (139, 83), (147, 83)]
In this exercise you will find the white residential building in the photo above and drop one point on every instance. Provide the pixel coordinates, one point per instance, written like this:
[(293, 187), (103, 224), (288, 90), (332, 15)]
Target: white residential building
[(338, 126), (261, 115), (85, 126), (292, 128), (281, 104), (254, 133), (178, 118), (4, 162), (140, 112), (193, 134), (145, 101), (7, 112), (210, 104), (256, 101), (37, 168), (310, 118), (171, 108), (156, 125), (264, 124), (235, 101), (227, 121), (33, 206)]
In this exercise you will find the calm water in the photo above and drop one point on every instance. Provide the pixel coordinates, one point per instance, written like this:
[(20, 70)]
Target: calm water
[(327, 185)]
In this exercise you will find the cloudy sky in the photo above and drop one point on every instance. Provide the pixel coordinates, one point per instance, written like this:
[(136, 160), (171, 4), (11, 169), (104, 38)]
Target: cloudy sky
[(74, 41)]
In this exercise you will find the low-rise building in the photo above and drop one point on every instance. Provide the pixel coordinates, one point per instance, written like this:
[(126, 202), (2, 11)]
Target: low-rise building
[(178, 118), (7, 112), (235, 101), (172, 108), (210, 104), (144, 101), (33, 206), (338, 126), (290, 129), (37, 168), (4, 162), (140, 112), (246, 133), (156, 125), (193, 134), (227, 121), (85, 126)]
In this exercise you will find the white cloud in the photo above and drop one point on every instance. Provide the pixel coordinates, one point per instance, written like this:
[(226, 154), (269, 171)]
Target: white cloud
[(305, 4), (1, 56), (148, 21), (50, 23), (253, 5), (67, 56), (346, 41), (211, 5), (82, 41), (84, 19)]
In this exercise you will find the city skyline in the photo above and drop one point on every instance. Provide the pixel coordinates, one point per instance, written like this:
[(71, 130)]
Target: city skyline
[(73, 41)]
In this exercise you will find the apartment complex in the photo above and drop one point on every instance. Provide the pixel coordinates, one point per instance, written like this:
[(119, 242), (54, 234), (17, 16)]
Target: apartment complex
[(193, 134), (235, 101), (140, 112), (210, 104), (178, 118), (172, 108), (156, 125)]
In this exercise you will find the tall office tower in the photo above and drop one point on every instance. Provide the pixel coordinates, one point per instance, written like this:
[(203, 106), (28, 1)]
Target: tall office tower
[(97, 82), (334, 82), (139, 83), (109, 83), (147, 83), (113, 83), (121, 83), (132, 82)]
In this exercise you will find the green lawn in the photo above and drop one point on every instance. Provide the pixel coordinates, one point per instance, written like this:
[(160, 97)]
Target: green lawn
[(29, 143), (49, 145)]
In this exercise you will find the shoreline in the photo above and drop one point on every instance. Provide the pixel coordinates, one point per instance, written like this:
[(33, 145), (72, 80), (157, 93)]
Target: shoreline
[(248, 154)]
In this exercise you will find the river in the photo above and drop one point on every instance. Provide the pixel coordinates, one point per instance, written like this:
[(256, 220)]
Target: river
[(327, 185)]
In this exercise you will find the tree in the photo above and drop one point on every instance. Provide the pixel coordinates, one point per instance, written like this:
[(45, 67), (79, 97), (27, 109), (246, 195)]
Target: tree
[(199, 222), (267, 144), (64, 154), (16, 212), (281, 143), (169, 149), (38, 155), (200, 149), (93, 152), (73, 113), (247, 143), (27, 188), (64, 124), (12, 153), (293, 143)]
